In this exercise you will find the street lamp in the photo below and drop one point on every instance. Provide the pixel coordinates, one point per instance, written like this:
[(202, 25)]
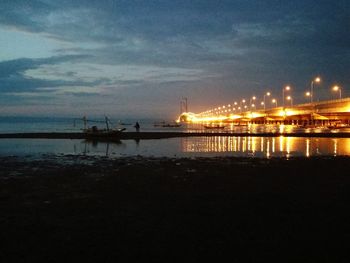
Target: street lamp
[(267, 94), (262, 104), (337, 88), (291, 100), (252, 99), (274, 101), (308, 94), (242, 102), (317, 80), (286, 88)]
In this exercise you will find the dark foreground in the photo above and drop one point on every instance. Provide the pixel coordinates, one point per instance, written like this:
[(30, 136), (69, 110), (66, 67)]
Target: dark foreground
[(85, 209)]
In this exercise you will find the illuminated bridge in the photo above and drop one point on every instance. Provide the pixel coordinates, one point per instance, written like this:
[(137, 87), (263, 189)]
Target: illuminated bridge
[(331, 112)]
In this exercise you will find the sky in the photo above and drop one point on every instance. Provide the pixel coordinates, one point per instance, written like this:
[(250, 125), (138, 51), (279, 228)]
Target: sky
[(137, 59)]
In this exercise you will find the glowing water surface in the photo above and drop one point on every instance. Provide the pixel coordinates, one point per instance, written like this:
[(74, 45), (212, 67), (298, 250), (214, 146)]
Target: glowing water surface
[(249, 146)]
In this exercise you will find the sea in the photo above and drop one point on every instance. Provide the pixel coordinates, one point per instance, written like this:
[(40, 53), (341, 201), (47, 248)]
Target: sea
[(213, 146)]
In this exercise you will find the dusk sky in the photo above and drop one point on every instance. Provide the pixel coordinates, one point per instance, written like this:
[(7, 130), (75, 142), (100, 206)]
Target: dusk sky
[(139, 58)]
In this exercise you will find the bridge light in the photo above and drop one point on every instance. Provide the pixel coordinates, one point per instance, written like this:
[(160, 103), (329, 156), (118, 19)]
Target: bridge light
[(317, 80), (267, 94), (286, 88), (243, 101), (307, 94), (337, 88), (274, 101), (282, 113), (262, 103), (235, 103)]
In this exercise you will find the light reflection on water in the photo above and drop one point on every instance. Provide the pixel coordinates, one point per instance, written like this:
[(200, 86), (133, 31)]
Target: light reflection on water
[(260, 128), (263, 147), (267, 146)]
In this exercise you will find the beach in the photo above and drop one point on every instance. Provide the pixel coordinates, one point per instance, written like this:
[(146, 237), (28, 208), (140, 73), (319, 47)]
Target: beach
[(97, 209)]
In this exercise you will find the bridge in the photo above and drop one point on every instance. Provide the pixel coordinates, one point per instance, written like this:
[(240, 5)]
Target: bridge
[(330, 113)]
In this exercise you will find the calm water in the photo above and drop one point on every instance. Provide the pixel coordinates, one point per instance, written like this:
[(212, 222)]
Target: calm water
[(264, 147), (26, 124)]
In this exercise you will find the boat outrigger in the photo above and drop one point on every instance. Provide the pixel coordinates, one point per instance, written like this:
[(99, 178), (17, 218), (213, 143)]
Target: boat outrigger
[(95, 132)]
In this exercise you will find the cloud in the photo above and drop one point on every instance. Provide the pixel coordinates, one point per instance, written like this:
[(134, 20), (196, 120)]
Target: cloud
[(13, 78), (138, 49)]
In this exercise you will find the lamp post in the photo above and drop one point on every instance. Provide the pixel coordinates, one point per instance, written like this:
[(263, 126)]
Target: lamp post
[(274, 101), (317, 80), (286, 88), (291, 100), (308, 94), (241, 104), (337, 88), (267, 94), (262, 104), (252, 99)]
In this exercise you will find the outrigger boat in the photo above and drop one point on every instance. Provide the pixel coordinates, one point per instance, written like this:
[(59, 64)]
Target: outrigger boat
[(95, 132)]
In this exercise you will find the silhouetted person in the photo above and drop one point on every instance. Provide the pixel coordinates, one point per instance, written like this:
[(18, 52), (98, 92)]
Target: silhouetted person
[(137, 127)]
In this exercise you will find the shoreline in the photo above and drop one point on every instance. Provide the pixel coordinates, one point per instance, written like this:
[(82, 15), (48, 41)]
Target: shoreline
[(162, 135)]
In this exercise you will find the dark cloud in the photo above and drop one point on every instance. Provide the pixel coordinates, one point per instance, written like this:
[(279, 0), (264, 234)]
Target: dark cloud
[(13, 79), (242, 46)]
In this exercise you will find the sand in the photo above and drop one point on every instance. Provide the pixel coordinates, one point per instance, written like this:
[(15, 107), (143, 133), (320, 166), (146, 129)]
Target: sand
[(95, 209)]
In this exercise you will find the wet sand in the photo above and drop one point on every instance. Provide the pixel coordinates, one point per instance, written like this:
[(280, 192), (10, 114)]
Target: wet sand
[(95, 209)]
